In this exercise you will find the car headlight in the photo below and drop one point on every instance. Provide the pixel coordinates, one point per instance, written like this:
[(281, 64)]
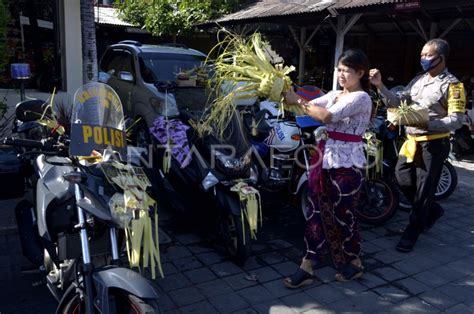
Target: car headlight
[(231, 163)]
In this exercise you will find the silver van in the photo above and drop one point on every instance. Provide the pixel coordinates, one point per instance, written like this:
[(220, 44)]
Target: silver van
[(144, 78)]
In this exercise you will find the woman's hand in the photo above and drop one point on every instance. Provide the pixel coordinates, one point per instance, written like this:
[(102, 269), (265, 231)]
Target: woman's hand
[(375, 77), (290, 97)]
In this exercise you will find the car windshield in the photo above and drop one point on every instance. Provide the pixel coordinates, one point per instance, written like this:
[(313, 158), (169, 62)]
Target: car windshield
[(164, 67)]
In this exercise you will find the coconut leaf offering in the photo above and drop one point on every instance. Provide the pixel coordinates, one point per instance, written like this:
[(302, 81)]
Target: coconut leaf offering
[(410, 115), (50, 121), (131, 211), (243, 70)]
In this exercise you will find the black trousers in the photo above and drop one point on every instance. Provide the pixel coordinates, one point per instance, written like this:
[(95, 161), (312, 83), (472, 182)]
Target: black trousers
[(419, 179)]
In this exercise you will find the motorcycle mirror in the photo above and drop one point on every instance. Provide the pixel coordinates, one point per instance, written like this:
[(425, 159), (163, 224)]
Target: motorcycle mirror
[(31, 110)]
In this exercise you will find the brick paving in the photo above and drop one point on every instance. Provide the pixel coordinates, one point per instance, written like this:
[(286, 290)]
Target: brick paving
[(436, 277)]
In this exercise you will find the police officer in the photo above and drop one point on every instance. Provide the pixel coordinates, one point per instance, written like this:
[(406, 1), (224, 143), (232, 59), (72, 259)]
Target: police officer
[(427, 146)]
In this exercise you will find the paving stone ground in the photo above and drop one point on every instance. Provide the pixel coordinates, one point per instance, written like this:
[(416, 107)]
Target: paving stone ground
[(438, 276)]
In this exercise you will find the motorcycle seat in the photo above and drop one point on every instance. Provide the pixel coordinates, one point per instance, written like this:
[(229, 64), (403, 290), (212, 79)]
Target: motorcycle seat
[(306, 121)]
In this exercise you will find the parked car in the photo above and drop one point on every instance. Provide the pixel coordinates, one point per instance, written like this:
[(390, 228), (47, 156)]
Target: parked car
[(144, 77)]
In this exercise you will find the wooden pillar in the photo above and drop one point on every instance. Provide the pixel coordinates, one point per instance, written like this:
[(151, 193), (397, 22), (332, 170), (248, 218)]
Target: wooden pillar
[(450, 27), (419, 29), (341, 30), (341, 20), (302, 56), (302, 43), (433, 30)]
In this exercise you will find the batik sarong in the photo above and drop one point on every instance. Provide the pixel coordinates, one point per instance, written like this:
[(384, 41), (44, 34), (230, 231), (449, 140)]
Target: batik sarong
[(331, 224)]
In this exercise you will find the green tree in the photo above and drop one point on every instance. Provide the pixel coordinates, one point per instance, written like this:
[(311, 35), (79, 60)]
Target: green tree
[(173, 17)]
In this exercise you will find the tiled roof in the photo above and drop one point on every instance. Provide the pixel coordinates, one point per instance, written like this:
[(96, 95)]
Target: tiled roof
[(274, 8)]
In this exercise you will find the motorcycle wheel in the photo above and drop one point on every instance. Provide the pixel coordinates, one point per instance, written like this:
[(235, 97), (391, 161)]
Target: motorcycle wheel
[(303, 199), (237, 240), (447, 182), (121, 303), (378, 202)]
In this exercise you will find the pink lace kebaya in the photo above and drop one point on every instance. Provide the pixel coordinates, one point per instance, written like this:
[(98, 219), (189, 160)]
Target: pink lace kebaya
[(351, 115)]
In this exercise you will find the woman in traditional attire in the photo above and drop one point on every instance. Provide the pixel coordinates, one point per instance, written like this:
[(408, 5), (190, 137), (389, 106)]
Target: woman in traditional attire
[(335, 181)]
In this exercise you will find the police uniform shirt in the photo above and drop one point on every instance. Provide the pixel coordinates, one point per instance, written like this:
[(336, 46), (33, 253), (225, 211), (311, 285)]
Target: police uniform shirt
[(443, 95)]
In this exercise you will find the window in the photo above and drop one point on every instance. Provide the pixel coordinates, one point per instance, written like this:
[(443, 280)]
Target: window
[(165, 66), (127, 62), (115, 61)]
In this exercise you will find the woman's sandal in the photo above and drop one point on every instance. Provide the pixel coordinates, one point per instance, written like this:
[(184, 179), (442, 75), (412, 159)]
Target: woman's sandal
[(350, 272), (299, 279)]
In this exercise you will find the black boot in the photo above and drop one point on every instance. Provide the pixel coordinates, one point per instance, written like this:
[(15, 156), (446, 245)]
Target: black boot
[(408, 239)]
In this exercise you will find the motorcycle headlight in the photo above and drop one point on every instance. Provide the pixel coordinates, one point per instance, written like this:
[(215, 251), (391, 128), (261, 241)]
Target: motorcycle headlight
[(209, 181), (228, 163)]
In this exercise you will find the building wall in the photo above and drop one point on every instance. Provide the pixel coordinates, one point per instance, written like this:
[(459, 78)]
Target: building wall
[(71, 44)]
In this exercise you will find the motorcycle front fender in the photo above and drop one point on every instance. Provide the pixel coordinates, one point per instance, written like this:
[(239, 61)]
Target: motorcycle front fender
[(302, 180), (123, 279), (228, 201), (112, 278)]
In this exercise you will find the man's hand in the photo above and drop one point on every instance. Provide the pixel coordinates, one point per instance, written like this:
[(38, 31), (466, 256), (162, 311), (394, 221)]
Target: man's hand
[(375, 77)]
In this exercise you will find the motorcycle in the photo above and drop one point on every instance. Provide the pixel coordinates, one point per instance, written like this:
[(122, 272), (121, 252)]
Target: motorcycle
[(278, 150), (68, 227), (215, 174), (275, 139)]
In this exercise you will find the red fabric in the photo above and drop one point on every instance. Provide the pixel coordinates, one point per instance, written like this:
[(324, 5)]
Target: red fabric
[(316, 179), (338, 136), (307, 94)]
